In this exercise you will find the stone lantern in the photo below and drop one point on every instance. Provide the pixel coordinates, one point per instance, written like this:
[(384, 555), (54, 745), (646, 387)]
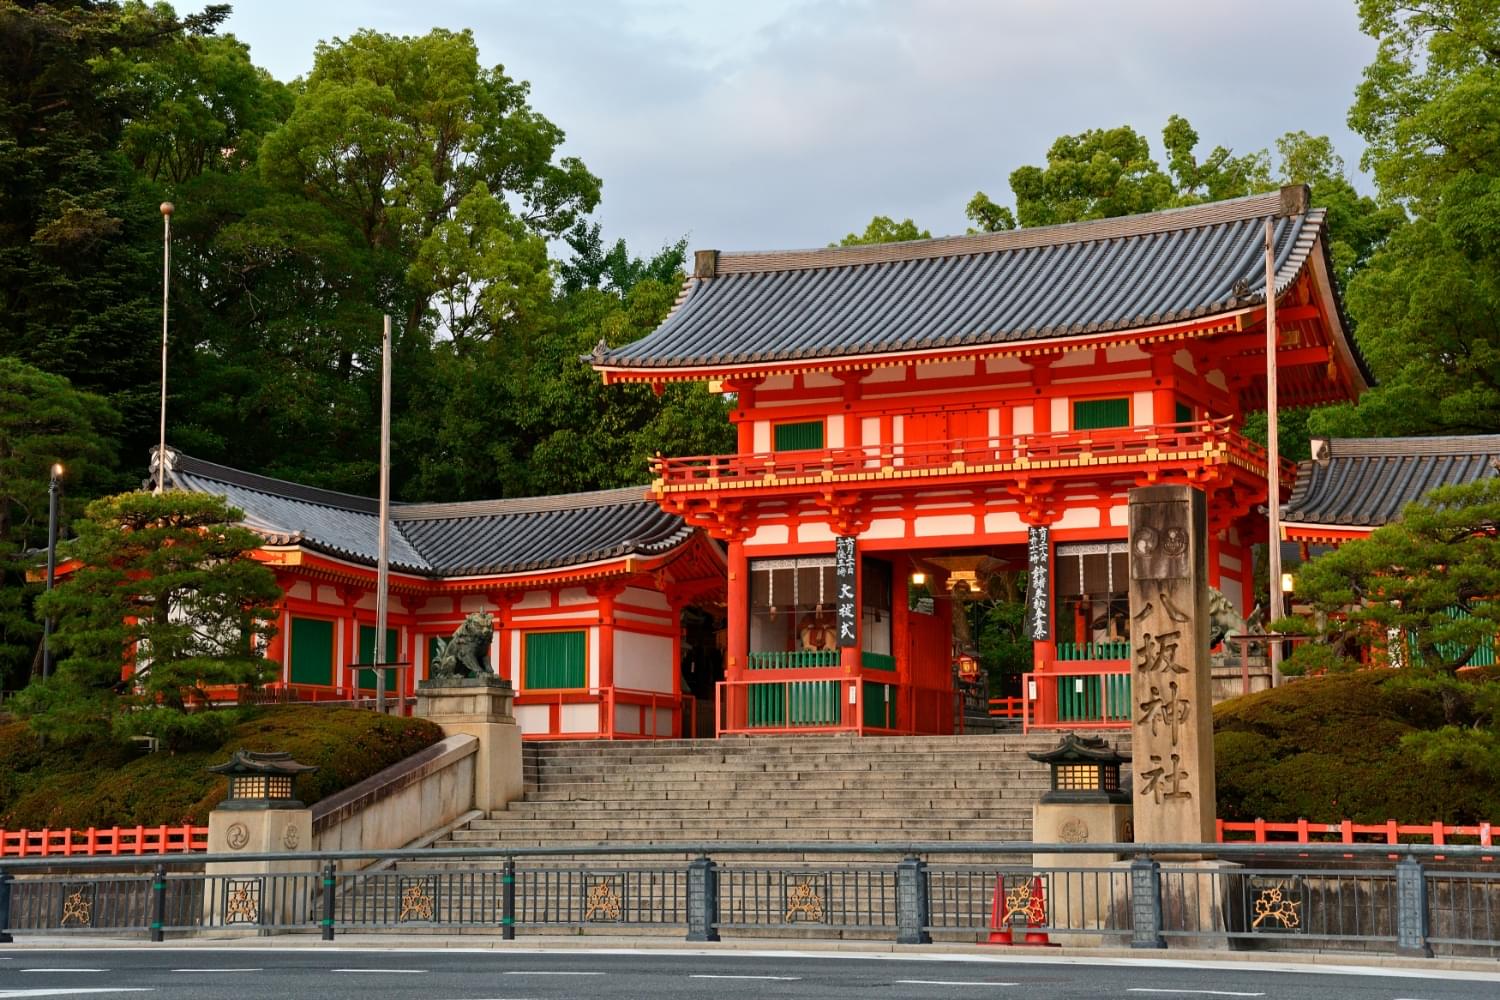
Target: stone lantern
[(1084, 769), (261, 780)]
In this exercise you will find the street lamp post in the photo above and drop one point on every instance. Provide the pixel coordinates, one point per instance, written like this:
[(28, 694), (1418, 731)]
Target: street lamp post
[(54, 488)]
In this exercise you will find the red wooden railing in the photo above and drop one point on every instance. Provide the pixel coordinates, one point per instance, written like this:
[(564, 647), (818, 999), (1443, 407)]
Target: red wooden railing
[(1007, 708), (1349, 832), (113, 840), (1114, 445)]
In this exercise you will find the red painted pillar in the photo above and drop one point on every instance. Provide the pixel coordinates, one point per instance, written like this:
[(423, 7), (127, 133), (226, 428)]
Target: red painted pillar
[(738, 652), (1163, 389), (606, 597)]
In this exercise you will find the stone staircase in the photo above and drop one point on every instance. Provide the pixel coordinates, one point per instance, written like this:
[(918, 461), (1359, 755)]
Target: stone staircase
[(770, 790)]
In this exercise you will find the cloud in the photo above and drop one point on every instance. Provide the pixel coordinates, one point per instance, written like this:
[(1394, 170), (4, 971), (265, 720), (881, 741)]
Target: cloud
[(791, 122)]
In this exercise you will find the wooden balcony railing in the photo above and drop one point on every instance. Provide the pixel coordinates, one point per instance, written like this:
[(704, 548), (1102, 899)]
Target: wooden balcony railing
[(1188, 444)]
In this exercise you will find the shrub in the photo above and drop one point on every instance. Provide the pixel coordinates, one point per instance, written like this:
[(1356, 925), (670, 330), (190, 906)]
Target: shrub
[(101, 783)]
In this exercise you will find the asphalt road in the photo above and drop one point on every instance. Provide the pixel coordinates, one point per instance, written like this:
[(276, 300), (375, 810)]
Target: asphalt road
[(336, 974)]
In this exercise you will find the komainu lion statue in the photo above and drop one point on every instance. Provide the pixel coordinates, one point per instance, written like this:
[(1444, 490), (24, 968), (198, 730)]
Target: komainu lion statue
[(464, 654)]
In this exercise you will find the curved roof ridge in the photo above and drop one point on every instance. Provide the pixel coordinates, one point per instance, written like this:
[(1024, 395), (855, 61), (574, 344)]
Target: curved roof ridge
[(519, 505), (1253, 206), (272, 486), (1443, 444)]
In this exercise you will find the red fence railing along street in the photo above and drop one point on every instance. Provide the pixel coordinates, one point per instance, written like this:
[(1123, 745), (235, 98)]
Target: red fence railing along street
[(1349, 832), (115, 840)]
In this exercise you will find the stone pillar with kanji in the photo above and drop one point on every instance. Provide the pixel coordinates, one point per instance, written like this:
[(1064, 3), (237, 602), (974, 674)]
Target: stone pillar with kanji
[(1169, 624)]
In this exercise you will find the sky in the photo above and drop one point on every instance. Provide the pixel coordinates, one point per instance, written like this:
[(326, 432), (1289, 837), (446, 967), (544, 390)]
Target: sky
[(787, 123)]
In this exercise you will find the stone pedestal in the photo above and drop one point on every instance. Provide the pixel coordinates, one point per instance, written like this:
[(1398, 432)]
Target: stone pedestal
[(1080, 899), (480, 707), (243, 895)]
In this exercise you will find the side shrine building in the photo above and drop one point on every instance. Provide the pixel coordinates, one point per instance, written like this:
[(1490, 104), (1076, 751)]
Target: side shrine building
[(917, 420), (589, 594)]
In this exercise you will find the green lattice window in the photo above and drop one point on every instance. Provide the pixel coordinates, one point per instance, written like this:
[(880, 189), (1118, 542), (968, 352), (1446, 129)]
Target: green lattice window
[(1093, 414), (312, 651), (367, 655), (556, 660), (804, 436)]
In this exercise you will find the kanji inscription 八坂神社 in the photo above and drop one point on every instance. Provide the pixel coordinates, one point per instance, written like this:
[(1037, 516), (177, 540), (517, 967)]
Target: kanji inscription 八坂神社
[(1173, 722)]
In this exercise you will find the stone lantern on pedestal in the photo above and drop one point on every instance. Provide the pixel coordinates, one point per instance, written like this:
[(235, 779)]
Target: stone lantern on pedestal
[(261, 815)]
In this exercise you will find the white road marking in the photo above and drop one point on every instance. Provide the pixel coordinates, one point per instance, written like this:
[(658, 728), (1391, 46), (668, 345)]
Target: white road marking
[(1206, 993), (218, 970), (950, 982), (776, 979), (73, 991), (394, 972), (64, 970), (543, 972)]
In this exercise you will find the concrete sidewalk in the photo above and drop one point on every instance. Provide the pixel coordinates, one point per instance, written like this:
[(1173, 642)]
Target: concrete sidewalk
[(1348, 962)]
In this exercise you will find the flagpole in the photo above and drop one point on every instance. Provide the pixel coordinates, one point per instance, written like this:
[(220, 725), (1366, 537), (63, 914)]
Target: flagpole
[(166, 274), (1273, 461), (382, 594)]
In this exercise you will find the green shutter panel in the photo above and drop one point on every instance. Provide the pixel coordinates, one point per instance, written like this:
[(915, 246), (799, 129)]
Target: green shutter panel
[(1184, 413), (312, 651), (806, 436), (1094, 414), (367, 655), (556, 660)]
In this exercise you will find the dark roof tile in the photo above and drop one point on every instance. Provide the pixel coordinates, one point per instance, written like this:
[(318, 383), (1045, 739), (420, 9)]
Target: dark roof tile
[(478, 538), (1365, 482)]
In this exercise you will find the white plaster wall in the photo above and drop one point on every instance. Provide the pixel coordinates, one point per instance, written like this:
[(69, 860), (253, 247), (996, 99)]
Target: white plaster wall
[(947, 369), (769, 534), (1216, 379), (992, 422), (533, 719), (1184, 359), (301, 590), (643, 662), (366, 602), (890, 373), (943, 524), (643, 598), (627, 719), (1061, 418), (1124, 352), (761, 436), (995, 366), (1078, 517), (885, 527), (1075, 359), (1119, 516), (581, 718), (641, 616), (328, 595), (534, 599), (814, 531), (1140, 410), (593, 641), (819, 380), (574, 595), (1000, 521), (472, 603), (1021, 420), (833, 432)]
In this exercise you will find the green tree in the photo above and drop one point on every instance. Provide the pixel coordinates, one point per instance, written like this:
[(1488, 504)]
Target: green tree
[(79, 230), (1432, 576), (591, 266), (884, 229), (1427, 304), (1220, 175), (166, 582), (423, 152), (43, 420)]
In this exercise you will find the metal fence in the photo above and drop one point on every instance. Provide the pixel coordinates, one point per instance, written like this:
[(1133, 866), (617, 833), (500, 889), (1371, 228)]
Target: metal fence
[(1423, 899)]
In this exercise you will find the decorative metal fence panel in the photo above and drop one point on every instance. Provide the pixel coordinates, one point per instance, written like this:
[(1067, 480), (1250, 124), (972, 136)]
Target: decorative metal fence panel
[(1323, 897), (844, 898)]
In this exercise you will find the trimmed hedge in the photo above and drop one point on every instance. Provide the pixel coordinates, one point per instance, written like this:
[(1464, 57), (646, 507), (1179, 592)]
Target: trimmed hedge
[(1330, 748), (105, 784)]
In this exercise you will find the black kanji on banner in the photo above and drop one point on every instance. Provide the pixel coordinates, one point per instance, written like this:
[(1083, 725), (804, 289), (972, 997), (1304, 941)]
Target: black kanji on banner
[(1038, 584), (845, 570)]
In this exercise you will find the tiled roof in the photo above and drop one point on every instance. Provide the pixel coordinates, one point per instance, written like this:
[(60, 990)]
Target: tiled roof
[(480, 538), (1364, 482), (991, 288)]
